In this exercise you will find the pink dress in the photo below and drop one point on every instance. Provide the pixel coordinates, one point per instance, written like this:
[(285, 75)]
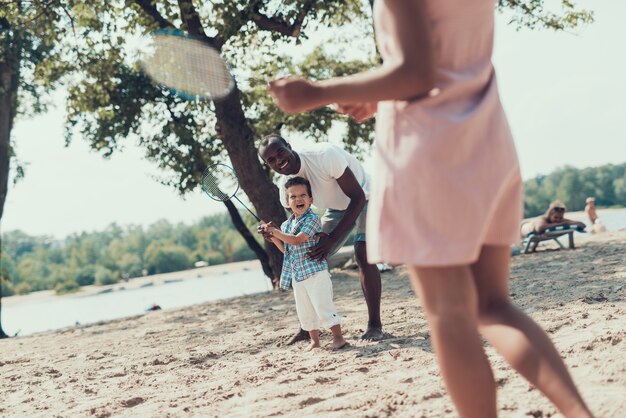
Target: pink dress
[(446, 179)]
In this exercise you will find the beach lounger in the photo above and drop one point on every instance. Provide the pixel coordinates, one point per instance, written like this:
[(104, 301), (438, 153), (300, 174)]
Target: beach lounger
[(531, 241)]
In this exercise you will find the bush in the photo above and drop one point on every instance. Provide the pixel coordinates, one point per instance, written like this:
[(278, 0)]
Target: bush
[(67, 286), (86, 276), (22, 289), (215, 257), (243, 253), (104, 276), (164, 258), (7, 289)]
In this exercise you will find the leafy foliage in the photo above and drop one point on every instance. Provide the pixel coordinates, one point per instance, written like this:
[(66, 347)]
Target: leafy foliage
[(106, 257), (606, 183), (556, 14)]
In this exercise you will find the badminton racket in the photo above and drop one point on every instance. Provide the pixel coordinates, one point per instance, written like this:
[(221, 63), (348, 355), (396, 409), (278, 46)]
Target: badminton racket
[(187, 65), (220, 182)]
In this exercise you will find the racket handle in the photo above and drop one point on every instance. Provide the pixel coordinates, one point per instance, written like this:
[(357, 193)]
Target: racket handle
[(251, 213)]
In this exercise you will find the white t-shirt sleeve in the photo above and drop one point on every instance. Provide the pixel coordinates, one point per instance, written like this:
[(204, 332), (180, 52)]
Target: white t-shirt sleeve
[(335, 163)]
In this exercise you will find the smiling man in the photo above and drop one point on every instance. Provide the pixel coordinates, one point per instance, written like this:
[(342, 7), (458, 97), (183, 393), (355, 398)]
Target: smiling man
[(340, 186)]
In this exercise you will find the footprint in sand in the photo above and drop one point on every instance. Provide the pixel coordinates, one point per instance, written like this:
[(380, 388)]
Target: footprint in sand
[(325, 379), (129, 403), (310, 401)]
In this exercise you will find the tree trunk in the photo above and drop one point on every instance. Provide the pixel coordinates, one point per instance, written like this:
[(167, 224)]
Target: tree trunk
[(6, 113), (9, 81), (239, 142), (2, 277), (5, 135)]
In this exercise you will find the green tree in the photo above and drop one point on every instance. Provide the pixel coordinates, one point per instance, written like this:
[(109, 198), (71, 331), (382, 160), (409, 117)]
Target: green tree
[(571, 190), (619, 185), (164, 258), (29, 66)]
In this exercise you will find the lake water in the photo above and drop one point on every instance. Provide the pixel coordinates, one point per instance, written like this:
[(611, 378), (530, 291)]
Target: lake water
[(54, 313), (42, 315), (613, 219)]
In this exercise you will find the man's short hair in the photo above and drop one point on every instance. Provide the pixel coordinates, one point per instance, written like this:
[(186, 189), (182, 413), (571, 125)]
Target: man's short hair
[(299, 181), (267, 138)]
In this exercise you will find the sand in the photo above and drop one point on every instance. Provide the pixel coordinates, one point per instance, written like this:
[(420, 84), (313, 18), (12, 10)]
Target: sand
[(228, 358)]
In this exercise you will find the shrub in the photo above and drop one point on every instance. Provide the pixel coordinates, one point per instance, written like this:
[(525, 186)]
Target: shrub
[(104, 276), (68, 286)]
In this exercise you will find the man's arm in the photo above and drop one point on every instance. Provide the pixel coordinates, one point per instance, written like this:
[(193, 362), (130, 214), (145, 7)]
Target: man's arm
[(351, 188)]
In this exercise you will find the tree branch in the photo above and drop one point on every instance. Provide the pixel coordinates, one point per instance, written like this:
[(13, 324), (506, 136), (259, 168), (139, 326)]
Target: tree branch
[(151, 10), (191, 20), (275, 24)]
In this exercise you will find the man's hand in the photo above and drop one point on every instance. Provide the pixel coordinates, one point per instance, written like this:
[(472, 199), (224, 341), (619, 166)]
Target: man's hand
[(322, 248)]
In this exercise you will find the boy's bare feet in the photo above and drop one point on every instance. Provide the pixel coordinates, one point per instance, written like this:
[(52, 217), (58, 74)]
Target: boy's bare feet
[(338, 344), (312, 346)]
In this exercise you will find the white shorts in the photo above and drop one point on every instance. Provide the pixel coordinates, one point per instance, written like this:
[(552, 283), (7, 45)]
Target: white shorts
[(314, 302)]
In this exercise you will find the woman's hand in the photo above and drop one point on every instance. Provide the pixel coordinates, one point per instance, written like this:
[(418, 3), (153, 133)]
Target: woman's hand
[(295, 95), (360, 112)]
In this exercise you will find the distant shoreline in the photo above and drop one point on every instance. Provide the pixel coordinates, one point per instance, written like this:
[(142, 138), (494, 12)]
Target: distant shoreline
[(157, 279), (137, 282)]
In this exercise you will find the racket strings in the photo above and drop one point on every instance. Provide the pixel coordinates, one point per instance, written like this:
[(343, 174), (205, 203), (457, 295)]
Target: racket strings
[(189, 66), (220, 182), (221, 190)]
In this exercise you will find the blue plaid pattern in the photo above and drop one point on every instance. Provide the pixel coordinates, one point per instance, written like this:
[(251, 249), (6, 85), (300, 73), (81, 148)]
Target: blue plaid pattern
[(295, 264)]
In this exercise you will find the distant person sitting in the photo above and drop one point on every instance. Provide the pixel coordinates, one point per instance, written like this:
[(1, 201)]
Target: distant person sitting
[(590, 209), (554, 216)]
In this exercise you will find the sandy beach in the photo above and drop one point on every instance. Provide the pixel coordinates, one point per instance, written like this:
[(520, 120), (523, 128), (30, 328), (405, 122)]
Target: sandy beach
[(228, 358)]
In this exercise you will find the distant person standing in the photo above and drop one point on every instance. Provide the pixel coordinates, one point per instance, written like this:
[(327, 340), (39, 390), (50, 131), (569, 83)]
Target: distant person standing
[(590, 209)]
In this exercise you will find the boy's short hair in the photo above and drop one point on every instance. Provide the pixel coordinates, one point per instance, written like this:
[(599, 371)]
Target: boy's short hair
[(299, 181)]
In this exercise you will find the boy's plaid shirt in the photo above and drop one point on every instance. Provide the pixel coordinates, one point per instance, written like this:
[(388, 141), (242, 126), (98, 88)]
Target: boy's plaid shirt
[(296, 264)]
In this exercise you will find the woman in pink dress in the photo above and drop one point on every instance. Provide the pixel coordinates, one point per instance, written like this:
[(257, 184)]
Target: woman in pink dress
[(446, 198)]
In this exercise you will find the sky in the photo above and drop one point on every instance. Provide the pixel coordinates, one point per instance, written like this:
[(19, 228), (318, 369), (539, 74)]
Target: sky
[(564, 94)]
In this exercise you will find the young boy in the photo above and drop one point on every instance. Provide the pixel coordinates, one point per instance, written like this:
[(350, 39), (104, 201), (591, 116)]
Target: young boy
[(310, 278)]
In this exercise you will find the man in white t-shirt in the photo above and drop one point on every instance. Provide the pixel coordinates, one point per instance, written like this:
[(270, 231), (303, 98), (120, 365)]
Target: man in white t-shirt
[(340, 186)]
